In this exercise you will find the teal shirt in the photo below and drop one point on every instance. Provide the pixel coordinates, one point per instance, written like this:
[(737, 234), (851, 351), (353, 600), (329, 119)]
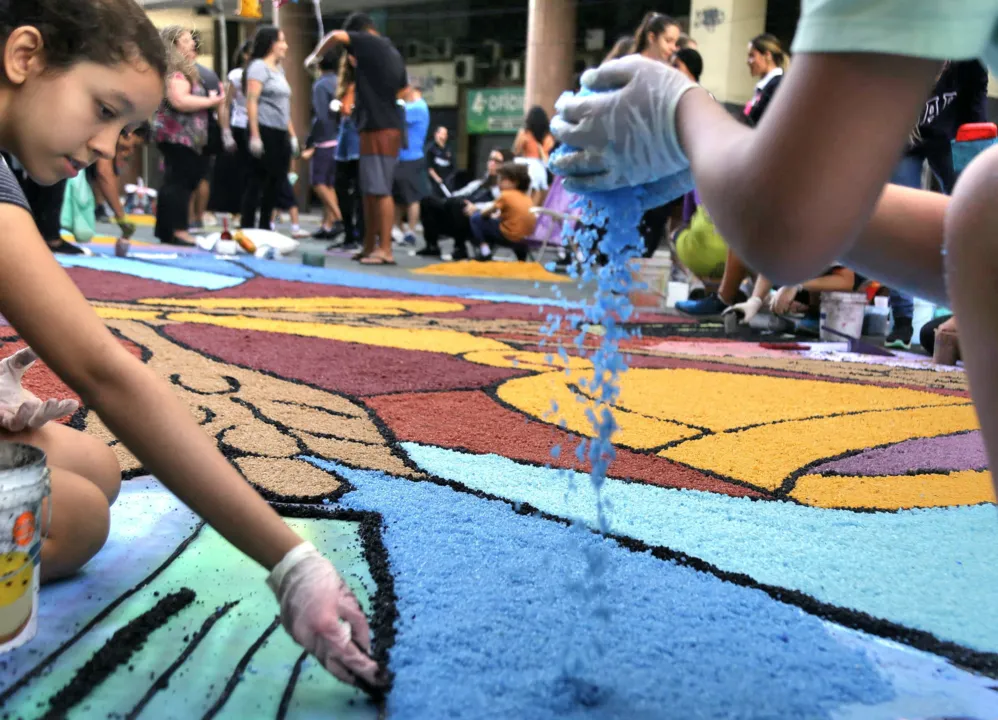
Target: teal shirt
[(933, 29)]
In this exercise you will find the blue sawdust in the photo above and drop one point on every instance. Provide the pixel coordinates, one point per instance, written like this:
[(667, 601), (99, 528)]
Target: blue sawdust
[(484, 622)]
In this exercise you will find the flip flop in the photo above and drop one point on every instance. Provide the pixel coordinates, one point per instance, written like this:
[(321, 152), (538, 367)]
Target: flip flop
[(376, 260)]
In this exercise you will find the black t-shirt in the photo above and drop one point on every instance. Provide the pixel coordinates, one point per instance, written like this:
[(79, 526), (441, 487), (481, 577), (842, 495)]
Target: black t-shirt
[(440, 160), (755, 113), (211, 83), (960, 96), (380, 76)]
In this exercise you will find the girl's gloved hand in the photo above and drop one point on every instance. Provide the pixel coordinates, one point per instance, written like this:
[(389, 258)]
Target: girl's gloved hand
[(20, 409), (321, 613), (747, 310), (295, 146), (256, 147), (784, 298), (624, 133), (228, 140)]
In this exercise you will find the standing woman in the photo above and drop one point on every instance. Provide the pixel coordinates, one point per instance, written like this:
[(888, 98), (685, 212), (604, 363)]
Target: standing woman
[(272, 139), (766, 60), (532, 146), (181, 132), (228, 181), (348, 157)]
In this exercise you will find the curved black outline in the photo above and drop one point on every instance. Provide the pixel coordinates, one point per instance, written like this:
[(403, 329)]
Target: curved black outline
[(240, 668)]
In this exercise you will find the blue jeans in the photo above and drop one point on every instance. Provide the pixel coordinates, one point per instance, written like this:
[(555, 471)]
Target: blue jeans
[(486, 230)]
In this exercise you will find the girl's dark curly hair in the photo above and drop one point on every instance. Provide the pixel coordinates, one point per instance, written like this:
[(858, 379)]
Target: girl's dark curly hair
[(106, 32)]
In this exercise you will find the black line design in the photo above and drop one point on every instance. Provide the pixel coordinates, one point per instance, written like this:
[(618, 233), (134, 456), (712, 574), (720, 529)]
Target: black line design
[(125, 642), (289, 689), (164, 679), (236, 676), (55, 654)]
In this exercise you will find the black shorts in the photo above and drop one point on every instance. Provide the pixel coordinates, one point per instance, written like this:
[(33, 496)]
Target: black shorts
[(410, 184)]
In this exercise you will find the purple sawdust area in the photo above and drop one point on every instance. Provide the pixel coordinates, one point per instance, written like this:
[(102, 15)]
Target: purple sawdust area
[(948, 453)]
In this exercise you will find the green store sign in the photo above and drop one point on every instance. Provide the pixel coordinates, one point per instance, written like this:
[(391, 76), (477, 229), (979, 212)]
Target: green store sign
[(496, 111)]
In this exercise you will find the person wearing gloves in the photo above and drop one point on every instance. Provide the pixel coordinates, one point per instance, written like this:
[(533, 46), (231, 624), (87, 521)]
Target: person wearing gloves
[(272, 140), (824, 165), (800, 299), (323, 138), (228, 180), (107, 173), (63, 104)]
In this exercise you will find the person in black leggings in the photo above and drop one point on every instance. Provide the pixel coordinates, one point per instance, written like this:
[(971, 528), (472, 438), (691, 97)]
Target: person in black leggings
[(272, 141), (181, 132)]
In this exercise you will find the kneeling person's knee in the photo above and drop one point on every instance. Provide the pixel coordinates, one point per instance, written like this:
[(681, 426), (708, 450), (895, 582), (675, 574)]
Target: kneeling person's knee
[(76, 521)]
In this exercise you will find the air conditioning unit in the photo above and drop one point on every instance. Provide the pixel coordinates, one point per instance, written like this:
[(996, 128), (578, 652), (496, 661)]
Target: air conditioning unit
[(443, 48), (512, 70), (490, 53), (464, 69), (412, 51)]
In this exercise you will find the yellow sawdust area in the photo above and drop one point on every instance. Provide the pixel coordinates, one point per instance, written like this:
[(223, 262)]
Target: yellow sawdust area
[(966, 487), (426, 340), (526, 360), (119, 312), (358, 306), (533, 395), (146, 220), (764, 456), (721, 401), (266, 419), (495, 269), (107, 240)]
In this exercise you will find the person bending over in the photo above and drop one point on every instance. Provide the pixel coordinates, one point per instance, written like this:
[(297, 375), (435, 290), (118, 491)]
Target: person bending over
[(507, 221)]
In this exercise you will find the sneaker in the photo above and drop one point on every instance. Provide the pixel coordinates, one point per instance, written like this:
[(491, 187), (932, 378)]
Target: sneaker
[(710, 305), (299, 234), (67, 248), (336, 230), (322, 234), (397, 236), (900, 337), (428, 252), (409, 239)]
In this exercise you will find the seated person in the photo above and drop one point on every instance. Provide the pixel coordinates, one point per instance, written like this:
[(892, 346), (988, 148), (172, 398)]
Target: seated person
[(700, 249), (447, 216), (507, 221), (802, 299)]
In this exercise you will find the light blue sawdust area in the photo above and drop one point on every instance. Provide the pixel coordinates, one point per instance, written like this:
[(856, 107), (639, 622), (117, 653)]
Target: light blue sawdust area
[(330, 276), (930, 569), (147, 525), (490, 615), (161, 271)]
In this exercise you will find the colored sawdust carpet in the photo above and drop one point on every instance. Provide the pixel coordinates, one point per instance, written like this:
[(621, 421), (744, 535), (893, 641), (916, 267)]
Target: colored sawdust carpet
[(496, 269), (790, 537)]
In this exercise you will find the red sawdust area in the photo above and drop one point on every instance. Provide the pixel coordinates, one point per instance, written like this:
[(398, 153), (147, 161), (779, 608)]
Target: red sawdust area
[(103, 285), (44, 383), (349, 368), (472, 421)]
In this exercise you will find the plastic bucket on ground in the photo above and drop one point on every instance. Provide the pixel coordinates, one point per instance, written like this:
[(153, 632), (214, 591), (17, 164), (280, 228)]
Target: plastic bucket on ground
[(842, 312), (24, 483), (652, 274)]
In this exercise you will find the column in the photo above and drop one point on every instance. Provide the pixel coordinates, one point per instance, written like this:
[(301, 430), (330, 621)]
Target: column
[(550, 51), (723, 29), (297, 20)]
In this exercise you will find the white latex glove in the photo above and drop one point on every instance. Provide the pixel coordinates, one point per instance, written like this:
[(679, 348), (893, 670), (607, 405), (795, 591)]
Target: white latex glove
[(784, 298), (256, 147), (228, 140), (747, 310), (295, 147), (624, 133), (335, 106), (20, 409), (321, 613)]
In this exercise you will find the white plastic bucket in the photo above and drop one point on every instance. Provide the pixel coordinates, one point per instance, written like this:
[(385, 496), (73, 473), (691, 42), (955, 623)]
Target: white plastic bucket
[(653, 273), (842, 312), (24, 483)]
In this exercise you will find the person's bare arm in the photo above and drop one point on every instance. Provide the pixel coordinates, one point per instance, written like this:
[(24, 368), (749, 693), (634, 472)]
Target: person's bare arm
[(816, 165), (340, 37), (47, 310), (178, 93), (436, 178), (518, 142), (840, 279), (225, 111), (107, 182), (253, 90), (762, 287)]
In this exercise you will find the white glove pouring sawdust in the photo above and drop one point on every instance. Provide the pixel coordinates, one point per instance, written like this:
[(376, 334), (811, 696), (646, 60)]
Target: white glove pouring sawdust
[(322, 614), (624, 132)]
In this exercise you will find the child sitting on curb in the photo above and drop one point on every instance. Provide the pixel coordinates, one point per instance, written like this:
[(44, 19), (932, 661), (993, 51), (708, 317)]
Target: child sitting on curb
[(507, 221)]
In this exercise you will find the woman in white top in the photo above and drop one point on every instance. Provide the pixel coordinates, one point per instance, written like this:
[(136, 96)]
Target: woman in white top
[(228, 181)]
